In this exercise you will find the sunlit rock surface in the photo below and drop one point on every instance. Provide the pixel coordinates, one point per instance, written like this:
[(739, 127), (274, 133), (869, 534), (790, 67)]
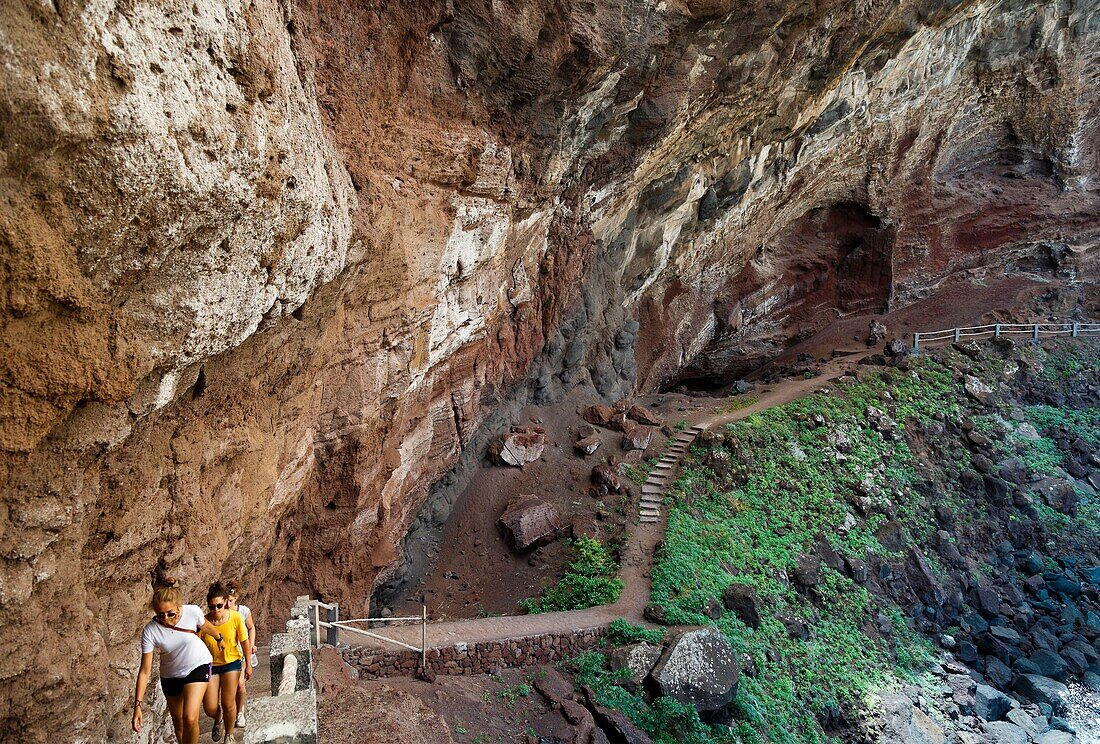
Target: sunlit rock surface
[(271, 268)]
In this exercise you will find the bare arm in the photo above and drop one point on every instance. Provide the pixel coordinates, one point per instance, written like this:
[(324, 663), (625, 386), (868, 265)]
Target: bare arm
[(208, 628), (246, 646), (251, 631), (139, 692)]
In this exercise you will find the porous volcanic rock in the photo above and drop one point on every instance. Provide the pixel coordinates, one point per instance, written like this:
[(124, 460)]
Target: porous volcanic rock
[(274, 269), (699, 668)]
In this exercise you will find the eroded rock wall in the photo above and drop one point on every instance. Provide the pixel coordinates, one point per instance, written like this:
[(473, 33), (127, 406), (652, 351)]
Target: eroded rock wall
[(270, 267)]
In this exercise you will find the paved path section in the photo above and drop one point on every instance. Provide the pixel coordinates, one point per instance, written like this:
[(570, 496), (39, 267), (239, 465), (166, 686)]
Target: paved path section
[(637, 555)]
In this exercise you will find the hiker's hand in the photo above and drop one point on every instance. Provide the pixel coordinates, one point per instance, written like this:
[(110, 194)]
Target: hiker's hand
[(248, 672), (136, 724)]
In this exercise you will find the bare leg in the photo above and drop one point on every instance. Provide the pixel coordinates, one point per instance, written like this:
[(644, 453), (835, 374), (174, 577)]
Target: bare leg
[(242, 695), (175, 708), (192, 704), (229, 700), (210, 698)]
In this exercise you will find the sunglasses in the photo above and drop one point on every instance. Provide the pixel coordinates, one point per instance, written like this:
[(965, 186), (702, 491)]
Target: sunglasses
[(217, 606), (165, 615)]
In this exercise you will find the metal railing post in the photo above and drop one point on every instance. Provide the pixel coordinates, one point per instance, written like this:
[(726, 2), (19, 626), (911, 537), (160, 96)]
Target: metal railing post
[(997, 330), (333, 616), (916, 343), (315, 610), (958, 332), (423, 636), (1035, 334), (1075, 328)]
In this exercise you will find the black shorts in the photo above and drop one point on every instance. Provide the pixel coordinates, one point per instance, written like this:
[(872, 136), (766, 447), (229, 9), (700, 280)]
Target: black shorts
[(173, 686), (233, 666)]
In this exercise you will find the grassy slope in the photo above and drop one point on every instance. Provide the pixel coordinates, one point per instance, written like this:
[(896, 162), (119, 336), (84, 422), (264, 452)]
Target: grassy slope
[(746, 511)]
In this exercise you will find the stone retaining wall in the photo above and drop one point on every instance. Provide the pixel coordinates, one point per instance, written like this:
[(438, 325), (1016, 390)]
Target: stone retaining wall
[(473, 658)]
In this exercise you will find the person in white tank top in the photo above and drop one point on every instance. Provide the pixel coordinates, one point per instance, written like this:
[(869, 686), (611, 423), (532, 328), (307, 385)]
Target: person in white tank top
[(234, 588)]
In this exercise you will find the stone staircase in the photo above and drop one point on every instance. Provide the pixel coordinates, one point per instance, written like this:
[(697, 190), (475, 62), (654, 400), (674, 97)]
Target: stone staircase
[(664, 473)]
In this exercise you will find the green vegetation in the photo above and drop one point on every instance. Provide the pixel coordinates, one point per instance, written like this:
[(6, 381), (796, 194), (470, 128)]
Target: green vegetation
[(666, 720), (638, 473), (589, 581), (738, 403), (513, 692), (623, 631), (822, 473), (731, 522)]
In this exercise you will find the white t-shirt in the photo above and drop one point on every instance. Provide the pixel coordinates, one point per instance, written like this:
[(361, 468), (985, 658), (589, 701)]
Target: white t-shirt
[(180, 652), (245, 613)]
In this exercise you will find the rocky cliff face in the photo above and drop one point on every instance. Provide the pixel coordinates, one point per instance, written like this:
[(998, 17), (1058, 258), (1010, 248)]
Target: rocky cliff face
[(271, 268)]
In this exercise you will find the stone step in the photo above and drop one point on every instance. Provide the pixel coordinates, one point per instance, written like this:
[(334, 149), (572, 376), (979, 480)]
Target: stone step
[(652, 501), (652, 488), (649, 520), (649, 513)]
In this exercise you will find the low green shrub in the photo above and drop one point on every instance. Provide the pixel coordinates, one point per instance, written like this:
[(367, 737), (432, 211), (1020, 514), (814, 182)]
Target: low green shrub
[(623, 632), (589, 581)]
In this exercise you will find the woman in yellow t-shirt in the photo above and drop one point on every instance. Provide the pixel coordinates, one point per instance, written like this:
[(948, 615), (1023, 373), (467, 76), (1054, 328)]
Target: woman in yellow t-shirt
[(229, 660)]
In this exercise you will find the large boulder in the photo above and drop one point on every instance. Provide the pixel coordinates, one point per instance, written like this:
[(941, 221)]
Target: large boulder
[(904, 723), (605, 416), (636, 437), (638, 659), (604, 475), (519, 447), (643, 416), (1040, 689), (528, 521), (1003, 732), (991, 704), (876, 332), (587, 445), (700, 669), (744, 603), (1050, 664), (977, 389)]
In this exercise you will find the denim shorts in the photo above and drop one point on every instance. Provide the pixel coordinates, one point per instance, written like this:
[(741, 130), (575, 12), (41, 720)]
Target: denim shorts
[(233, 666)]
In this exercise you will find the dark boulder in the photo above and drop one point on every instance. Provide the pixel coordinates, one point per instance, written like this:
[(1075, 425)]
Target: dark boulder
[(528, 522), (605, 416), (587, 445), (991, 704), (807, 570), (1050, 664), (743, 602), (700, 669), (636, 661), (643, 416), (604, 475), (1042, 690), (636, 437)]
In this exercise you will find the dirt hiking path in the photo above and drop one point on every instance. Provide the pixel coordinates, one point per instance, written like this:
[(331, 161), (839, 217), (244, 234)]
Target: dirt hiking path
[(637, 556)]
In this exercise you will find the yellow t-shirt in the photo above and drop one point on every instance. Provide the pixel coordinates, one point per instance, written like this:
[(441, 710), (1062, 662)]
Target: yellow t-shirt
[(234, 633)]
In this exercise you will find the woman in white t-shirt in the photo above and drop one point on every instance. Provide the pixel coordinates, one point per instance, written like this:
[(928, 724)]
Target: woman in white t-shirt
[(184, 659), (234, 588)]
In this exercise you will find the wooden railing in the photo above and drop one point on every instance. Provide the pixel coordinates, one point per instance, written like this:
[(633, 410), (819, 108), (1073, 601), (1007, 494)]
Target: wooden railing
[(1033, 331)]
